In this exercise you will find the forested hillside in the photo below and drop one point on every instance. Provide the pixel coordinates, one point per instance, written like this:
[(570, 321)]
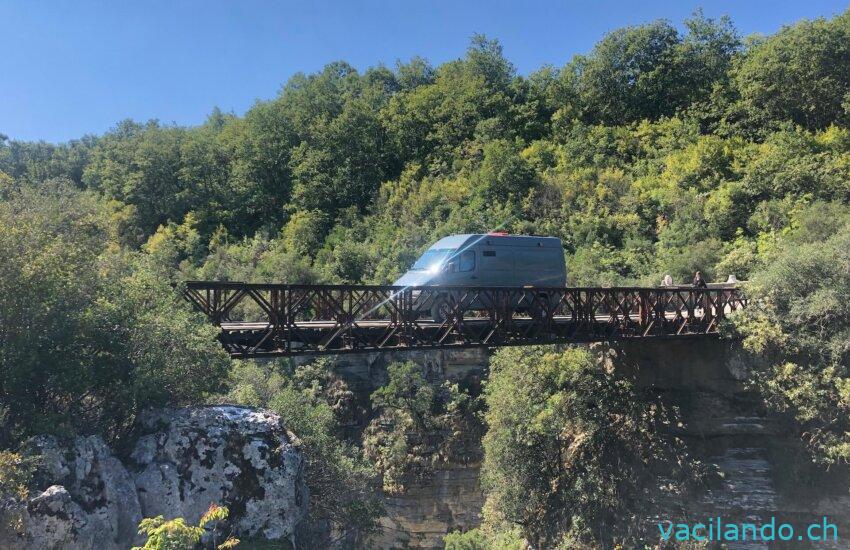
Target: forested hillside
[(665, 149), (658, 151)]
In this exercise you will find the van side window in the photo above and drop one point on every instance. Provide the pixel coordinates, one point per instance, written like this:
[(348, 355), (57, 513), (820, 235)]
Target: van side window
[(467, 261), (492, 260)]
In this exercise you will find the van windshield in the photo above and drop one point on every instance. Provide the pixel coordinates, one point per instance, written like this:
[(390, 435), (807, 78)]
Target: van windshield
[(432, 259)]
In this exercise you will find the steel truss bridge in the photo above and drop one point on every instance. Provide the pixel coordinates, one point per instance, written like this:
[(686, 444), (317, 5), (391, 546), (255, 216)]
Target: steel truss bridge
[(268, 320)]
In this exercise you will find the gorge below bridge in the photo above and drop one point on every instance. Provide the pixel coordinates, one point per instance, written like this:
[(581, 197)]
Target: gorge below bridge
[(280, 320)]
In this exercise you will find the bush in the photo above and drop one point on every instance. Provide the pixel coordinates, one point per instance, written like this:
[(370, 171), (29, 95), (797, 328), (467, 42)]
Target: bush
[(480, 539), (16, 473), (419, 427), (175, 534), (89, 334), (570, 448), (798, 329)]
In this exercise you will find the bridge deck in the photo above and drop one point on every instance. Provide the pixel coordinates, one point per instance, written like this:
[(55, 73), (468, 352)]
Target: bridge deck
[(260, 320)]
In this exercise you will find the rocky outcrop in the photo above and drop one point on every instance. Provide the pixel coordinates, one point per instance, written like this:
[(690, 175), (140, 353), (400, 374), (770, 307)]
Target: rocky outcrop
[(183, 461), (55, 520), (421, 517), (241, 458), (89, 501)]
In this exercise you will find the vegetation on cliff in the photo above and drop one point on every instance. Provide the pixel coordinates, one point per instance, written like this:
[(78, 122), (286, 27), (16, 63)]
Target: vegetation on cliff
[(317, 406), (799, 329), (420, 426), (90, 333), (571, 451)]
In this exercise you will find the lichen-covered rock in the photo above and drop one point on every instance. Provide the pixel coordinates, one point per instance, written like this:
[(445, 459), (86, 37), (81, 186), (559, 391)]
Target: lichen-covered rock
[(89, 500), (55, 521), (242, 458), (97, 481)]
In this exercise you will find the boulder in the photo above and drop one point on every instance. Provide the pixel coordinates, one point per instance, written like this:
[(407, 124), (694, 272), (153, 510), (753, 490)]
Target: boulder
[(186, 459), (55, 521), (97, 481), (89, 502)]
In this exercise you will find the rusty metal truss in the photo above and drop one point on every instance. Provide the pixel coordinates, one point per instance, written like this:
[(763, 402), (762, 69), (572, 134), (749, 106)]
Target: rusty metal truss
[(266, 320)]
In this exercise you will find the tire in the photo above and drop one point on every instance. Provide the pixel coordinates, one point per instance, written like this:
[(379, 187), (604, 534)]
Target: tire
[(440, 310), (537, 312)]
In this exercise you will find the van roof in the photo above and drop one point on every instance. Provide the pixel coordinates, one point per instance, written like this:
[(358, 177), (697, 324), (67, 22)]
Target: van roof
[(470, 239)]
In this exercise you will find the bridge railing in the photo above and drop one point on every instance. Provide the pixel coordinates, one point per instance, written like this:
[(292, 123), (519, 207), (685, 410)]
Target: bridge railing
[(277, 319)]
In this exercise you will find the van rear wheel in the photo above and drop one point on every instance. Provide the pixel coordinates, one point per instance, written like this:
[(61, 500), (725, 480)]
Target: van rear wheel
[(537, 310), (440, 310)]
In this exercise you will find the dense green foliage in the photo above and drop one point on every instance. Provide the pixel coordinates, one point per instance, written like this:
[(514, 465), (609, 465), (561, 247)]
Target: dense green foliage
[(570, 449), (176, 534), (659, 151), (800, 74), (485, 539), (419, 427), (800, 328), (89, 333), (16, 473)]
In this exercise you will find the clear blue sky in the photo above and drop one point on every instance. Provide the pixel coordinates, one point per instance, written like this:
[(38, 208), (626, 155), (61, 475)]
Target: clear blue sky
[(71, 68)]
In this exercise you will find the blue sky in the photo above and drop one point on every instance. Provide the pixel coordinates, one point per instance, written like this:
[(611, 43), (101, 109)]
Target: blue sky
[(71, 68)]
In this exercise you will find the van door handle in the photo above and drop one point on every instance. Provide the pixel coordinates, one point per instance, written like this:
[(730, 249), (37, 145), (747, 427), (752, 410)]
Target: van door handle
[(473, 277)]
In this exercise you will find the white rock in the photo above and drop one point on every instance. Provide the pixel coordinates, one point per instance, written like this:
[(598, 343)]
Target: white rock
[(55, 521), (238, 457), (90, 501)]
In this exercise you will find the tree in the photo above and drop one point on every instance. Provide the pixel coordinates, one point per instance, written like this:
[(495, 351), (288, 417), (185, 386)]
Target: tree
[(800, 74), (414, 73), (343, 163), (90, 334), (504, 175), (649, 71), (431, 122), (140, 165), (798, 329), (33, 162), (568, 448)]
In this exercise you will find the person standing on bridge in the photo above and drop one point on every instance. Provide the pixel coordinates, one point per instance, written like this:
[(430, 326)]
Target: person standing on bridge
[(699, 300)]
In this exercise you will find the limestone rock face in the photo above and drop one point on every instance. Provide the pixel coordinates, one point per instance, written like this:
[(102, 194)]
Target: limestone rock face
[(187, 459), (84, 498), (90, 501), (98, 482), (54, 520)]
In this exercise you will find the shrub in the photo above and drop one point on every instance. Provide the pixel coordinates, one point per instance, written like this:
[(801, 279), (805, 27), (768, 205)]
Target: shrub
[(419, 427), (16, 474), (798, 328), (176, 534), (570, 448), (316, 405), (89, 334)]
